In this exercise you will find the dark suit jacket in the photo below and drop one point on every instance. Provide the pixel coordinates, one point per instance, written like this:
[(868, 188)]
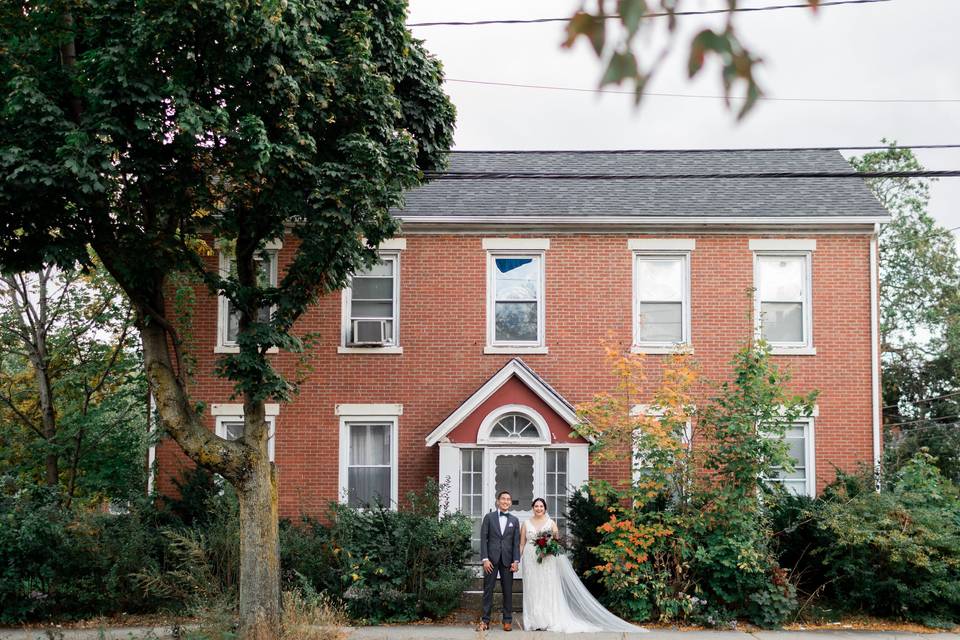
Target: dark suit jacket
[(496, 547)]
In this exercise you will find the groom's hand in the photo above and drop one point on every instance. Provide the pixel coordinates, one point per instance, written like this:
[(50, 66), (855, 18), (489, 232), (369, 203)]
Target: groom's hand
[(487, 566), (514, 567)]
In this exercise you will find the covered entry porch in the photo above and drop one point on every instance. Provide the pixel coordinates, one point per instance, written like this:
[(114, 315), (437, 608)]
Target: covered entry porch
[(512, 434)]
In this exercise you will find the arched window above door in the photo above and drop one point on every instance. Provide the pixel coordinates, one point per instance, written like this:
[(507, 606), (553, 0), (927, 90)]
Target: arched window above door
[(514, 424)]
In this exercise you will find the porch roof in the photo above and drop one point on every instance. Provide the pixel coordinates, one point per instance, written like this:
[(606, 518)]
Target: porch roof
[(515, 368)]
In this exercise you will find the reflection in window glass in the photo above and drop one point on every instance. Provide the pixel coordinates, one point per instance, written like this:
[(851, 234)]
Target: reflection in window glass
[(794, 481), (372, 297), (660, 299), (517, 298), (782, 293)]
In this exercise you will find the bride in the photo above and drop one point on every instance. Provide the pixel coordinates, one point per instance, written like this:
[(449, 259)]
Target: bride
[(554, 599)]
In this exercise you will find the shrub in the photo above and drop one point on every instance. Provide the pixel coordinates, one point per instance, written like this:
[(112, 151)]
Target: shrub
[(896, 552), (386, 565), (586, 513)]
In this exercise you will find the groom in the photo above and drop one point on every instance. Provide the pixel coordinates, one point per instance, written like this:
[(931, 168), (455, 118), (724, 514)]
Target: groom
[(500, 552)]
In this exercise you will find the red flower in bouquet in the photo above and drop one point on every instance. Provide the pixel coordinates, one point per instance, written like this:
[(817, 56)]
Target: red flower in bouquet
[(546, 545)]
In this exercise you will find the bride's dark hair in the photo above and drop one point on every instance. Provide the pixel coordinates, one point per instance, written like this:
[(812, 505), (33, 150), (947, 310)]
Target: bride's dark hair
[(540, 500)]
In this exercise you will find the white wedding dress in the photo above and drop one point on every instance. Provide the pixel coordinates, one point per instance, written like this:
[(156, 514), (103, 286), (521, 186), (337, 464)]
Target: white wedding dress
[(554, 599)]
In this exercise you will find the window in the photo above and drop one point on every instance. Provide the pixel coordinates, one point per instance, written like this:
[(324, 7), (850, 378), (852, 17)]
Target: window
[(662, 302), (228, 322), (556, 493), (371, 309), (515, 427), (800, 481), (231, 428), (471, 493), (517, 300), (661, 293), (639, 461), (368, 454), (783, 284), (515, 285), (369, 468)]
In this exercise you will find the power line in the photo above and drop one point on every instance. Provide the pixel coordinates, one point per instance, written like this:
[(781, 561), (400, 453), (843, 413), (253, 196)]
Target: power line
[(708, 96), (727, 150), (477, 23), (948, 395), (753, 175), (900, 424), (933, 234)]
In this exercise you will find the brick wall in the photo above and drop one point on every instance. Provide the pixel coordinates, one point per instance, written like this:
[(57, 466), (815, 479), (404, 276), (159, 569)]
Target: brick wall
[(588, 299)]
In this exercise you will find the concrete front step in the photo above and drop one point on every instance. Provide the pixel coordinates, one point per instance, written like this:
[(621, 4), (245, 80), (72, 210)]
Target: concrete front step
[(473, 601)]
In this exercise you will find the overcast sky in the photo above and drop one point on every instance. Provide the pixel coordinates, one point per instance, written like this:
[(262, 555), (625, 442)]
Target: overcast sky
[(901, 49)]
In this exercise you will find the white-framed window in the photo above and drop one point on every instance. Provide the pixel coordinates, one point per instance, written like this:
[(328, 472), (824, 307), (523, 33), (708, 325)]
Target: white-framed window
[(231, 428), (229, 423), (228, 319), (556, 493), (471, 493), (783, 282), (369, 454), (514, 424), (801, 480), (515, 296), (661, 293), (371, 305)]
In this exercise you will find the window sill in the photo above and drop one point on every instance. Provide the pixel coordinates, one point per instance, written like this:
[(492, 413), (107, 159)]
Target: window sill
[(517, 350), (380, 351), (220, 348), (793, 351), (661, 350)]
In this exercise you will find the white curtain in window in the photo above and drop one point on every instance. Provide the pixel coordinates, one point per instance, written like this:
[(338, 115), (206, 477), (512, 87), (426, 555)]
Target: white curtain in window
[(369, 464)]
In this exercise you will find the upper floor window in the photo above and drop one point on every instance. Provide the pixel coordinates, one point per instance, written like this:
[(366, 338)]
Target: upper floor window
[(782, 277), (515, 295), (372, 318), (228, 317), (661, 293)]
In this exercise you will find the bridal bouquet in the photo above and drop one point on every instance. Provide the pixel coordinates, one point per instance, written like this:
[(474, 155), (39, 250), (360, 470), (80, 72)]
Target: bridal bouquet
[(546, 545)]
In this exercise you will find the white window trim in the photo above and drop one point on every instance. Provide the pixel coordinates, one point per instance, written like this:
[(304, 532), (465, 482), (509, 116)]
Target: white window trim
[(805, 347), (486, 426), (224, 413), (375, 414), (516, 244), (223, 346), (505, 347), (388, 250), (662, 248), (809, 447)]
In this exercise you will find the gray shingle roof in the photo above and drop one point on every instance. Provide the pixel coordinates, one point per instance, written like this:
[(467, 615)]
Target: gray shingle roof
[(701, 197)]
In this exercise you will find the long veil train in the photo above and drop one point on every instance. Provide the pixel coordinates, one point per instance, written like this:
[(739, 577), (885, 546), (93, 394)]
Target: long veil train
[(584, 606)]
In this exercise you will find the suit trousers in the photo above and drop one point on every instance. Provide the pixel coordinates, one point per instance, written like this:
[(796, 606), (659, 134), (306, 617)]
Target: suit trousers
[(506, 585)]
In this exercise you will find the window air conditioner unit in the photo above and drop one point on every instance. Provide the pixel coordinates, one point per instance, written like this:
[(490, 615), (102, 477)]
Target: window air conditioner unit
[(369, 333)]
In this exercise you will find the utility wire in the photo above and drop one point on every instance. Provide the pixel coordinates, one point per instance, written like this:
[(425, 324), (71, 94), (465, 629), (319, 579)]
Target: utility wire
[(948, 395), (933, 234), (777, 7), (900, 424), (753, 175), (729, 150), (708, 96)]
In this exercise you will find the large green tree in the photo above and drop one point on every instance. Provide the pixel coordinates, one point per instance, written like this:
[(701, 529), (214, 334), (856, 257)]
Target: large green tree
[(919, 314), (73, 407), (137, 126)]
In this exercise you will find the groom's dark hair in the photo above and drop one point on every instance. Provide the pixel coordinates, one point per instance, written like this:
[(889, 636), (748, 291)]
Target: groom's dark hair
[(503, 492)]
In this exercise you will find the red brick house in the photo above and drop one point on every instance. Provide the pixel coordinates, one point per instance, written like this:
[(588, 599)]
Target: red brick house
[(463, 354)]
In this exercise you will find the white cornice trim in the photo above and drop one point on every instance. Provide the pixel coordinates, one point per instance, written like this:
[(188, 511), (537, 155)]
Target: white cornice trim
[(236, 409), (512, 368), (661, 244), (643, 221), (369, 409), (792, 244), (517, 244)]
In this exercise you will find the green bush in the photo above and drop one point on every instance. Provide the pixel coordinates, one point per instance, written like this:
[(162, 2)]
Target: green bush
[(385, 565), (586, 512), (61, 563)]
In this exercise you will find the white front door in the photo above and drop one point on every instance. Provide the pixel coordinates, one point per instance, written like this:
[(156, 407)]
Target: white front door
[(519, 471)]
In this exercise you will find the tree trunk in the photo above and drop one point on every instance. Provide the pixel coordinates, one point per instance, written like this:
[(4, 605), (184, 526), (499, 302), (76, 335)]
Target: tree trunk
[(259, 553), (49, 421)]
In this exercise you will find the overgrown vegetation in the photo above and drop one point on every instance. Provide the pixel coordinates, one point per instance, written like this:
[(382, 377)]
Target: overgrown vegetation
[(182, 556)]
